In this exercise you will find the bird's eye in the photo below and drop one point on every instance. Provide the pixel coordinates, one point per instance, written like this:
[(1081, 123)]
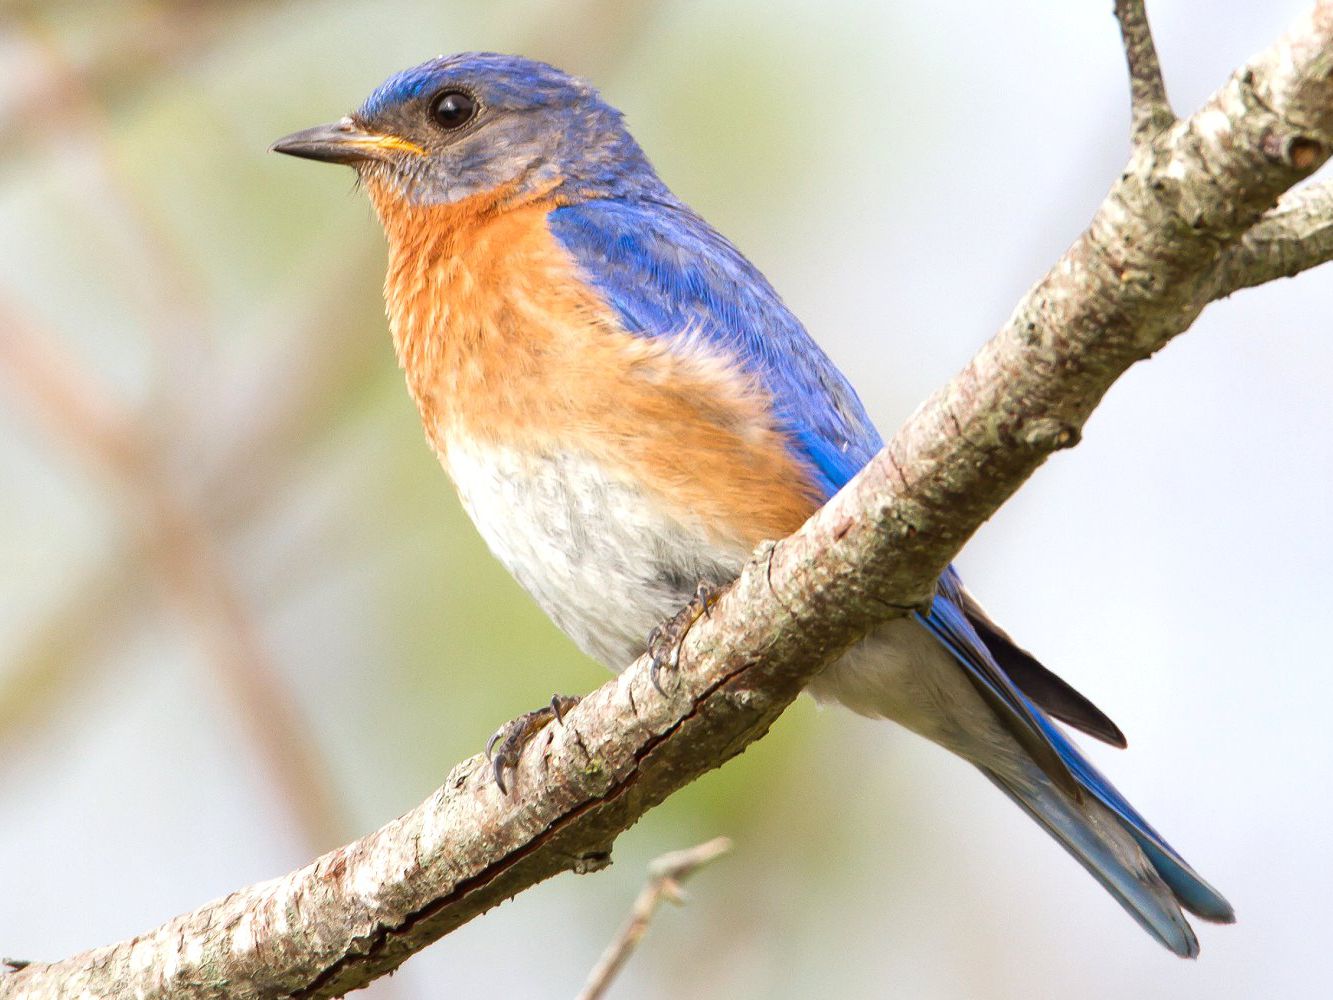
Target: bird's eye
[(453, 109)]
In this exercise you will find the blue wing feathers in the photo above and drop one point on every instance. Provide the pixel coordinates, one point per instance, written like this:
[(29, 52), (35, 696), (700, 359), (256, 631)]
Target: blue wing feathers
[(949, 625)]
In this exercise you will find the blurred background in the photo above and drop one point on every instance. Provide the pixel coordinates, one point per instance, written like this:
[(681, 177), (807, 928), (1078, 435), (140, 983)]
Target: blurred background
[(242, 618)]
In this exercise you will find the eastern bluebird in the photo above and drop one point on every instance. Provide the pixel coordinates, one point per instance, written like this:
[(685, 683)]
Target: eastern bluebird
[(627, 409)]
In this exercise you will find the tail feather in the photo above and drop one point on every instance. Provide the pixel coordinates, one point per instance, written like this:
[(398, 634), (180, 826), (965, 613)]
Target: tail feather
[(913, 676), (1192, 892), (1081, 808), (1099, 840)]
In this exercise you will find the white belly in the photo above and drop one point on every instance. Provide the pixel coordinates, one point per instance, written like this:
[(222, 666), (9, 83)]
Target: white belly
[(607, 564), (901, 672), (595, 552)]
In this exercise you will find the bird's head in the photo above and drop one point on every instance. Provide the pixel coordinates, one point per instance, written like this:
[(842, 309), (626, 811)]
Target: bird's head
[(476, 123)]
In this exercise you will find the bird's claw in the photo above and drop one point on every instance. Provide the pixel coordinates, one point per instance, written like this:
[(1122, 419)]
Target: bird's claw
[(665, 640), (516, 734)]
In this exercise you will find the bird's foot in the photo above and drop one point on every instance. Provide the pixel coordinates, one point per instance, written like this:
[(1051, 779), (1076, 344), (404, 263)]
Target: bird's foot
[(516, 734), (665, 640)]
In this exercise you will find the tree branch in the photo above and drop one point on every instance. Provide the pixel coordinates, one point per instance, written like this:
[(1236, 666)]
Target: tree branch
[(664, 878), (1138, 276), (1150, 111), (1293, 237)]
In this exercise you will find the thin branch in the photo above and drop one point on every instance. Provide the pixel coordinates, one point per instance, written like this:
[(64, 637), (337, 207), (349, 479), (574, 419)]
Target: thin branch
[(1137, 277), (664, 878), (1151, 112), (1291, 238)]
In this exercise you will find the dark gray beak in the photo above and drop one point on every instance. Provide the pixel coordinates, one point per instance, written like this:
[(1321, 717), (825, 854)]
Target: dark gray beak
[(343, 141)]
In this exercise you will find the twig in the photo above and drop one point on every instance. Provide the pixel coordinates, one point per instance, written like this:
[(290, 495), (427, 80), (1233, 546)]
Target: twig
[(664, 878), (1151, 112), (1291, 238)]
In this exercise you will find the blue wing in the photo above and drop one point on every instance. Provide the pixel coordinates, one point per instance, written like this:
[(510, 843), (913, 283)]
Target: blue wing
[(665, 271)]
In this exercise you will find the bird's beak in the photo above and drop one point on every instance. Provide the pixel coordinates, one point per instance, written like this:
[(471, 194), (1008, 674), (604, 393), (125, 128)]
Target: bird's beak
[(343, 141)]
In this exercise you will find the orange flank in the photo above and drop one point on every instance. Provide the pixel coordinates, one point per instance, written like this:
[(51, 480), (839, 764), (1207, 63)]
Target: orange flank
[(504, 345)]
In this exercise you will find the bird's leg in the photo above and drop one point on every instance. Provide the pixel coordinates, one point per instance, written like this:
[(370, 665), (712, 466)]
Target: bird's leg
[(665, 640), (516, 734)]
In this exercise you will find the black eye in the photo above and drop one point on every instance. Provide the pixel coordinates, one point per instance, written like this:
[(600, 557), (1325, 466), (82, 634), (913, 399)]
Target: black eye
[(453, 109)]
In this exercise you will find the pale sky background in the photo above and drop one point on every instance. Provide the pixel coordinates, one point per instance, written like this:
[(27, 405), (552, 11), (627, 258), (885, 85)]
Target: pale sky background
[(902, 172)]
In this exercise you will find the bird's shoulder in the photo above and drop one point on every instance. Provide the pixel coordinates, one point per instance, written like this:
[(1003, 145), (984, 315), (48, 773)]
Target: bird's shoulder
[(666, 273)]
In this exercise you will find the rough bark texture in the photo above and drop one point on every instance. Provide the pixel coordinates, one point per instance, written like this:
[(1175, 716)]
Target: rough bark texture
[(1289, 239), (1167, 239), (1150, 111)]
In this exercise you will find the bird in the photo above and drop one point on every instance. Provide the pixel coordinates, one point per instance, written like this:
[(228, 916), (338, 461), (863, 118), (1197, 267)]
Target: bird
[(627, 409)]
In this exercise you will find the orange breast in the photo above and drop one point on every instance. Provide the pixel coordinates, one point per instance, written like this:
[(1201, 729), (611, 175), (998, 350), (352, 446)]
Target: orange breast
[(503, 344)]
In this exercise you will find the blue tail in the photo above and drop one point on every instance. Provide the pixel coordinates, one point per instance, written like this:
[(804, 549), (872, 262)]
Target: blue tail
[(1130, 859), (1072, 800), (1109, 856), (1191, 891)]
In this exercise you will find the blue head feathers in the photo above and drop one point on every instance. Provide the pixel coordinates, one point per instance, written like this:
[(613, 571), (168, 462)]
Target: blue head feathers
[(466, 124)]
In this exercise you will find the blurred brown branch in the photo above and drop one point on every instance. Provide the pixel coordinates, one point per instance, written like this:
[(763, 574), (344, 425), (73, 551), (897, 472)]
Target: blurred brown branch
[(665, 875), (1137, 277), (171, 536), (135, 46), (168, 289), (179, 543)]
